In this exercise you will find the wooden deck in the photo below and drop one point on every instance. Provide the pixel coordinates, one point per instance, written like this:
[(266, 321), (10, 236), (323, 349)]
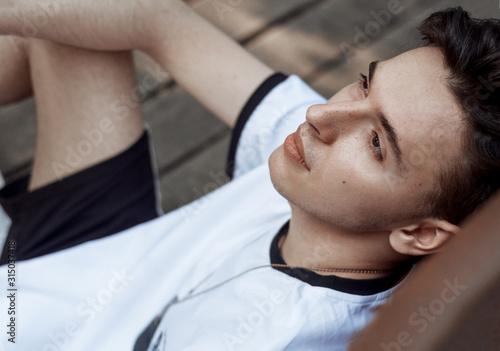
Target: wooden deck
[(318, 40)]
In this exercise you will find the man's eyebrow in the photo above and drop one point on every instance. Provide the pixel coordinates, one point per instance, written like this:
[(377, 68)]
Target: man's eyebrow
[(371, 70), (389, 129)]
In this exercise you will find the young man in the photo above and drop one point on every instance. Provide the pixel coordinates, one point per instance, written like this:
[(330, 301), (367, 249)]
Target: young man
[(361, 208)]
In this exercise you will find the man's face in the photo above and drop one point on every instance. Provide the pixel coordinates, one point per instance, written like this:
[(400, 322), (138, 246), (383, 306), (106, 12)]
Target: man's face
[(366, 159)]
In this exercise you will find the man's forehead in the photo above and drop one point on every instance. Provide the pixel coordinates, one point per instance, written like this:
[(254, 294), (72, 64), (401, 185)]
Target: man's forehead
[(421, 64), (415, 84), (413, 92)]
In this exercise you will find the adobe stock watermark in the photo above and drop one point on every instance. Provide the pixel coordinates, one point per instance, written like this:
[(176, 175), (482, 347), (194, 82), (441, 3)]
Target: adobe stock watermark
[(84, 148), (222, 7), (250, 148), (121, 109), (250, 324), (411, 36), (421, 319), (203, 195), (88, 310), (31, 24), (364, 36), (123, 105), (262, 310)]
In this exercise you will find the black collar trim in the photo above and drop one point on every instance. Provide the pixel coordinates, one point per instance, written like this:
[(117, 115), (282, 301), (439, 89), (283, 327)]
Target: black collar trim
[(346, 285)]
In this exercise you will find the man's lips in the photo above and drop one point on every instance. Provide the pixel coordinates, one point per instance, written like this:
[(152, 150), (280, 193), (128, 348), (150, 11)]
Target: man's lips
[(294, 149)]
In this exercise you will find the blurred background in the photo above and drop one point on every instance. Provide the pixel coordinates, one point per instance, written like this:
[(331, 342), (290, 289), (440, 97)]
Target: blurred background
[(326, 42)]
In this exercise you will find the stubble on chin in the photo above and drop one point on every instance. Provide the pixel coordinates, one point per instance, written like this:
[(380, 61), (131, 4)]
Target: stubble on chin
[(278, 172)]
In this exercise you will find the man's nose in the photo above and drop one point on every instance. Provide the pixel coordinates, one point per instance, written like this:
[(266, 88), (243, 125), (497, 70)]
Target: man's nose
[(332, 119)]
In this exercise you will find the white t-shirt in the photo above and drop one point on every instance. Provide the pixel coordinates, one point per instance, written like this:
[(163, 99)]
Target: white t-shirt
[(102, 294)]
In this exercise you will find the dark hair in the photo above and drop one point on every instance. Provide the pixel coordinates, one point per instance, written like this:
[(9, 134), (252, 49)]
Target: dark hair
[(471, 48)]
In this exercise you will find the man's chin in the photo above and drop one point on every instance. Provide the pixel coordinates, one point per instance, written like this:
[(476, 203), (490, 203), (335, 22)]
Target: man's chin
[(273, 161), (278, 171)]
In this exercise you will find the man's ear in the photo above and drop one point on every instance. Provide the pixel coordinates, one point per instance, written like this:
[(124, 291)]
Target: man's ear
[(423, 238)]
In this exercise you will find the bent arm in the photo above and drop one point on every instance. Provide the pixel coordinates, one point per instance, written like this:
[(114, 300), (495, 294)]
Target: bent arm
[(212, 67), (207, 63)]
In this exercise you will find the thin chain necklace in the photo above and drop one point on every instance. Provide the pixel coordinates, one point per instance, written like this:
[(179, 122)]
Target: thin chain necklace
[(327, 270), (192, 293), (333, 270), (278, 265)]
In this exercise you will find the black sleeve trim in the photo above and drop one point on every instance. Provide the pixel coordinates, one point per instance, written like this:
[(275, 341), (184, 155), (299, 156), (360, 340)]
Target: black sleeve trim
[(254, 101)]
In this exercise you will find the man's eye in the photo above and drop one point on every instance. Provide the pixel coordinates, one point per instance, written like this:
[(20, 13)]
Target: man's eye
[(363, 81), (375, 145)]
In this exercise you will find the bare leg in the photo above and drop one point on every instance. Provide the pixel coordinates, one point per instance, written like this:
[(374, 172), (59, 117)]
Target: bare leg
[(81, 119), (15, 81)]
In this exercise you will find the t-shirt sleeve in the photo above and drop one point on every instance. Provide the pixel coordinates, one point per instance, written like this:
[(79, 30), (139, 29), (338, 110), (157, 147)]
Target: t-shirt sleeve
[(274, 111)]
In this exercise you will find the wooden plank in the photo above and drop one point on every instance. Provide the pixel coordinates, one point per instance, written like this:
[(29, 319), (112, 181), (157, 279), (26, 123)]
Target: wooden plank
[(179, 125), (329, 82), (240, 19), (322, 36), (17, 135), (244, 18), (313, 39), (149, 73), (401, 38), (197, 177)]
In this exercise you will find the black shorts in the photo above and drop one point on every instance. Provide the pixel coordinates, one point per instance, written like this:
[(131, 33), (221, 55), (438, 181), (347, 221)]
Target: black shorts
[(96, 202)]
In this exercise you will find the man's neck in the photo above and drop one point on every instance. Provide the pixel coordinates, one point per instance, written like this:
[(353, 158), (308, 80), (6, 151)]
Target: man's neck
[(312, 243)]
